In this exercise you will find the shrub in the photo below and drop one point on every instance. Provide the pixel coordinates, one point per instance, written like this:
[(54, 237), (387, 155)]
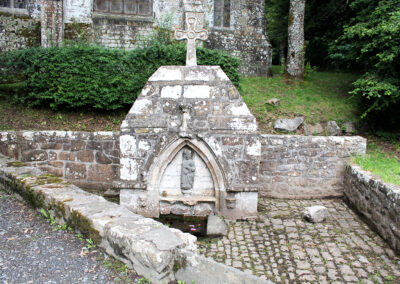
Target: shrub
[(94, 77), (372, 41)]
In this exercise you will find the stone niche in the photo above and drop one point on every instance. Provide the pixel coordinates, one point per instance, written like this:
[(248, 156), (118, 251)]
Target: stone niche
[(190, 146)]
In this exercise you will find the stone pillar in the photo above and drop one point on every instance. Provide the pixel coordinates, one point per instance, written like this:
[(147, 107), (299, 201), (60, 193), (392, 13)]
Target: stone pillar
[(52, 22)]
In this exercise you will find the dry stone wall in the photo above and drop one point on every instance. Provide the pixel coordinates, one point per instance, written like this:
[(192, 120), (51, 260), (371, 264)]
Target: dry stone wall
[(377, 201), (90, 160)]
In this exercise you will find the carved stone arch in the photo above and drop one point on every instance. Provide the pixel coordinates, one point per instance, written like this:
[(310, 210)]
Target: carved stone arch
[(166, 156)]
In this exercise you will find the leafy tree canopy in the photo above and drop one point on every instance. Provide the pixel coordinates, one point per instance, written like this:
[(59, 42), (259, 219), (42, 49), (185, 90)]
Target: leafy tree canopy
[(372, 43)]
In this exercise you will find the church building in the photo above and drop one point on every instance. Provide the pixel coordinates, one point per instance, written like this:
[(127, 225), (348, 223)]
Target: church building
[(235, 26)]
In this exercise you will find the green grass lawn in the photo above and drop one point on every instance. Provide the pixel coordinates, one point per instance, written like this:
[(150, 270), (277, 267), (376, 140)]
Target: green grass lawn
[(323, 96), (381, 162)]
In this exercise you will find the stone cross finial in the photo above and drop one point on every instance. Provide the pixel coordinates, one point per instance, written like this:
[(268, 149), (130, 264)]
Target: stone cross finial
[(191, 35)]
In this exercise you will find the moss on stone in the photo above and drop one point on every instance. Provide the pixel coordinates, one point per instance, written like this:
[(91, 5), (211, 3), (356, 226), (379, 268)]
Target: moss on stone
[(31, 34), (16, 164), (78, 31), (9, 15), (179, 264), (48, 179), (80, 222)]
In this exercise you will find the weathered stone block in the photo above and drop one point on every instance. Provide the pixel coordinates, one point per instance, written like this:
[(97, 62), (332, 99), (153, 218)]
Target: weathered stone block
[(77, 145), (75, 171), (51, 146), (196, 91), (101, 158), (66, 156), (85, 156), (34, 156), (172, 92), (102, 173), (54, 171)]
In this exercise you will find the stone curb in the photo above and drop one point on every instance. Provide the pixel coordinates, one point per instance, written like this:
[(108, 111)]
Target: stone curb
[(153, 250)]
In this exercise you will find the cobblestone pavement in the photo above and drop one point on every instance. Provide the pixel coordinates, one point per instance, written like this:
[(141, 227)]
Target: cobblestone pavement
[(33, 251), (281, 247)]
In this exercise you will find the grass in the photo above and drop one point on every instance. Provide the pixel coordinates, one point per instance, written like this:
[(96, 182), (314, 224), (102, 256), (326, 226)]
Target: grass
[(21, 117), (321, 97), (382, 162)]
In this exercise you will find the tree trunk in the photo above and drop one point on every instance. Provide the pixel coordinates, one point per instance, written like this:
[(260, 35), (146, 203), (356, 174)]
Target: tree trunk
[(295, 57)]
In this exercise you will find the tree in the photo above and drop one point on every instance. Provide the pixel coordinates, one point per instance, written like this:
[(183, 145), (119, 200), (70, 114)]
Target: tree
[(277, 27), (295, 57), (372, 42), (323, 24)]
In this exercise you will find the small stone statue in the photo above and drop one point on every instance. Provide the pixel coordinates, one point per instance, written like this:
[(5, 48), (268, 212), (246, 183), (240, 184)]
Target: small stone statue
[(187, 171)]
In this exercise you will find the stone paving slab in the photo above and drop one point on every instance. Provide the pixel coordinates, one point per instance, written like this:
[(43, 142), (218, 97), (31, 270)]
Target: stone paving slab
[(280, 246)]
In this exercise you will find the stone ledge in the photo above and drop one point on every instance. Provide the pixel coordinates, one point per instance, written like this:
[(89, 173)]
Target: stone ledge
[(378, 202), (153, 250)]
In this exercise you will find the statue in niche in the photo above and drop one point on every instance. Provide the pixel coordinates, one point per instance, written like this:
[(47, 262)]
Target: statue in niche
[(187, 171)]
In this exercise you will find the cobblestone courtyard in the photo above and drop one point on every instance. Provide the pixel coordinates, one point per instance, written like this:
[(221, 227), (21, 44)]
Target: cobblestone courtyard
[(281, 247)]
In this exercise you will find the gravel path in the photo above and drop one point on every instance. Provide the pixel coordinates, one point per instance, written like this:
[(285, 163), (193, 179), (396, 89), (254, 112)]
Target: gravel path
[(33, 251)]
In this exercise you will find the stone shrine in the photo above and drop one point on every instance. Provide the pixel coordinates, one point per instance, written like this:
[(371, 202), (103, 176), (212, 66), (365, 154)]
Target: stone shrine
[(189, 145)]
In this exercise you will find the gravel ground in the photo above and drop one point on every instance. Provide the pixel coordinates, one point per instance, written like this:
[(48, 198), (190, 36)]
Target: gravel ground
[(280, 246), (33, 251)]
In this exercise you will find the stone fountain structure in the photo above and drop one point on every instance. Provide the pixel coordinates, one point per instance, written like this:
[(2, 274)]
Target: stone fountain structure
[(189, 145)]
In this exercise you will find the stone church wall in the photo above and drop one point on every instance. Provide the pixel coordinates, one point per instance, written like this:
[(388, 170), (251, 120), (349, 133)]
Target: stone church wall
[(20, 28), (291, 166), (245, 37)]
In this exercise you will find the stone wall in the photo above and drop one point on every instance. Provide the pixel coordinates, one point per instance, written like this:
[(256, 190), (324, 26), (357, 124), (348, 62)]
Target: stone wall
[(375, 200), (246, 37), (18, 31), (291, 166), (90, 160), (295, 166), (120, 32)]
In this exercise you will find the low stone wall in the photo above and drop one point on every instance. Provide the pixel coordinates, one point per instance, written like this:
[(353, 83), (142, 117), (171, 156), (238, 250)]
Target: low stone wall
[(291, 166), (377, 201), (90, 160), (295, 166), (159, 253)]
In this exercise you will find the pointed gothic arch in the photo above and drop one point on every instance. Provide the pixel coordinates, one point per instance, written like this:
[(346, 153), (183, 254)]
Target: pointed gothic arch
[(161, 162)]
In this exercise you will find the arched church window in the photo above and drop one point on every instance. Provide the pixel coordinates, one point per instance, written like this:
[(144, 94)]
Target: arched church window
[(128, 7), (222, 13), (16, 4)]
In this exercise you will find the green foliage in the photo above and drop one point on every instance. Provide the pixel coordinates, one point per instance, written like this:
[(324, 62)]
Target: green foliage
[(48, 216), (277, 26), (323, 24), (144, 281), (83, 76), (372, 42)]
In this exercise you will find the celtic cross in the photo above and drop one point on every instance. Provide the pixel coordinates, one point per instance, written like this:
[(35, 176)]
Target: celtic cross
[(191, 35)]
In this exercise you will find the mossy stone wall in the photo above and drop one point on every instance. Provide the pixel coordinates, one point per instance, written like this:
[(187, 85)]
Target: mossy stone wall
[(18, 31)]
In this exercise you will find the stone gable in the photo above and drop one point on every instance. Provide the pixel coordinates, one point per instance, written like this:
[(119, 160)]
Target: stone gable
[(200, 109)]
